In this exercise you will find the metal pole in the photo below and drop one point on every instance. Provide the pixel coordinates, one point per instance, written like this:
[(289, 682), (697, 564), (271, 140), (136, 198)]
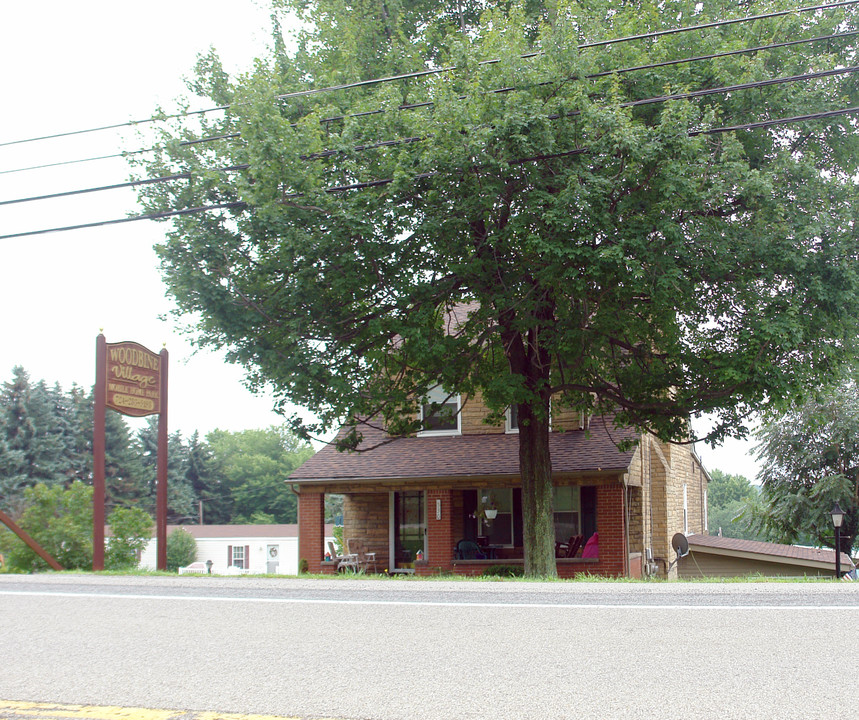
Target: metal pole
[(837, 552), (98, 450), (161, 493)]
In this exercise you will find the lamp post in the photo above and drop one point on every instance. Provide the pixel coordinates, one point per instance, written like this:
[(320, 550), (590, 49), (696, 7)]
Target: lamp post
[(837, 518)]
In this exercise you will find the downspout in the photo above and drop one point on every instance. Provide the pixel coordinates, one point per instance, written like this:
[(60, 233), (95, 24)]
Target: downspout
[(626, 523)]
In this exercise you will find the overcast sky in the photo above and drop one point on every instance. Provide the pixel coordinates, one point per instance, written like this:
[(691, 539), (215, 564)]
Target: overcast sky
[(73, 66)]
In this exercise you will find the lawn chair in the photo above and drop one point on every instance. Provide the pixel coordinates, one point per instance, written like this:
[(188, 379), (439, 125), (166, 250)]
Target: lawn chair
[(358, 557), (570, 548), (469, 550)]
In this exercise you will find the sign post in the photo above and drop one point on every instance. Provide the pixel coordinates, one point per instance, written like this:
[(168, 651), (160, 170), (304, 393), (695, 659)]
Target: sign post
[(132, 381)]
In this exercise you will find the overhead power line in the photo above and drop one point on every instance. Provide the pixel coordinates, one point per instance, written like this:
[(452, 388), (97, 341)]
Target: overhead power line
[(619, 71), (377, 183), (414, 106), (396, 143), (435, 71)]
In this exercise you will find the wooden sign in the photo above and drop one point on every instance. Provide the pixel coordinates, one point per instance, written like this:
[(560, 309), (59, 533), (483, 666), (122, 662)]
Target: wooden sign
[(133, 377), (133, 381)]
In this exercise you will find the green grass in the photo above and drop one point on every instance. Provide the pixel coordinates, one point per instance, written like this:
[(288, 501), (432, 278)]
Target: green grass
[(341, 577)]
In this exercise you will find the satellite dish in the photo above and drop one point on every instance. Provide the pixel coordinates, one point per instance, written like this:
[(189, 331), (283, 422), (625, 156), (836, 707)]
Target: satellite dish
[(680, 545)]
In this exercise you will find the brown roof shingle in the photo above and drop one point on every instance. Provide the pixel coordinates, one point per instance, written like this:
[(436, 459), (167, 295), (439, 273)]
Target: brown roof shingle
[(465, 456), (776, 550)]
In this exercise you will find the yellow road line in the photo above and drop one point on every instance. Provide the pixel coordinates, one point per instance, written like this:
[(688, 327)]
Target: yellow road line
[(12, 710)]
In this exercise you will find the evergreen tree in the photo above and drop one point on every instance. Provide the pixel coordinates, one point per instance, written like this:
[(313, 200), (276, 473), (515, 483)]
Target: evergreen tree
[(16, 435), (181, 501), (207, 480)]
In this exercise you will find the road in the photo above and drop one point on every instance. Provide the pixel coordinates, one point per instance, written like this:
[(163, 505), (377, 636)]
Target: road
[(392, 650)]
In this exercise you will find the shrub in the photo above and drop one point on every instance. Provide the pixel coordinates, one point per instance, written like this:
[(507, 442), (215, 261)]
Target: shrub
[(131, 530), (181, 549)]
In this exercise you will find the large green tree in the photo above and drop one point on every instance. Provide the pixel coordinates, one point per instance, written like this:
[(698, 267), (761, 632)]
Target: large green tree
[(615, 241), (811, 461), (728, 500), (256, 465)]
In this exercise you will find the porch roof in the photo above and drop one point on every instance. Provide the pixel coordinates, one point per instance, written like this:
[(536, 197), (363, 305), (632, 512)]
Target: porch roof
[(462, 456)]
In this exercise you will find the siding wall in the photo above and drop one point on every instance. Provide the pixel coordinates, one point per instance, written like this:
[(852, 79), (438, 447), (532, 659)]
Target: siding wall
[(702, 564)]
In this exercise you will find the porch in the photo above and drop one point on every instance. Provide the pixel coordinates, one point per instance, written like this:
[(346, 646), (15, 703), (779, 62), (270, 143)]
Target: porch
[(417, 530)]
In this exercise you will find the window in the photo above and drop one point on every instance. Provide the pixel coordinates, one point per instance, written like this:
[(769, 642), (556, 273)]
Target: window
[(511, 423), (685, 511), (239, 556), (499, 530), (444, 418), (567, 504)]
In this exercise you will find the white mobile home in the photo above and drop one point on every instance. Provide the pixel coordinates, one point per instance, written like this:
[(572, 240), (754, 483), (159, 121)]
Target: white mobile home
[(253, 549)]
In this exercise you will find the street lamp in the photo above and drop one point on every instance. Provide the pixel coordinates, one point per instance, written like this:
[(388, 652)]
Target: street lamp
[(837, 518)]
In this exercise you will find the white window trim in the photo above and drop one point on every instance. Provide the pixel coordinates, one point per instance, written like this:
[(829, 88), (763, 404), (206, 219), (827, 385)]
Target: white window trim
[(239, 550), (457, 398), (512, 430), (508, 421), (685, 510)]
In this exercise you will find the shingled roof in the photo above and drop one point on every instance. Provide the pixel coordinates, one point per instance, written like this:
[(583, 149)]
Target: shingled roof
[(463, 456), (776, 551)]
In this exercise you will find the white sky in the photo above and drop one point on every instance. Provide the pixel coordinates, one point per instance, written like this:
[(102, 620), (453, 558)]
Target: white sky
[(71, 66)]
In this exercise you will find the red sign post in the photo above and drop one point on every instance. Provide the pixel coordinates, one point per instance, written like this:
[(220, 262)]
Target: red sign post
[(133, 381)]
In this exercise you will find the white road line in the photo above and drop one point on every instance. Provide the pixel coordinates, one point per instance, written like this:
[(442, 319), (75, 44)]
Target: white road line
[(303, 601)]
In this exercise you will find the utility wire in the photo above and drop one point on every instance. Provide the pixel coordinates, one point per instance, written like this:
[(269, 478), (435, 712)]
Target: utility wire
[(396, 143), (436, 71), (126, 153), (386, 181), (413, 106), (619, 71), (132, 218), (115, 126)]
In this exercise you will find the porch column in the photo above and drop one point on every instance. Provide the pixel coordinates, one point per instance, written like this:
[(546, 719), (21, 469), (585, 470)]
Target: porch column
[(612, 529), (440, 533), (311, 529)]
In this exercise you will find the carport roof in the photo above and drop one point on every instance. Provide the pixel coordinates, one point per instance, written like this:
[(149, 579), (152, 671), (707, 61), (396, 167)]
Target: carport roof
[(774, 551), (462, 456)]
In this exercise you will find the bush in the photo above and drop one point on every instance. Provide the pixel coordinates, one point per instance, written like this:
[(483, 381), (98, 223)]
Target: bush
[(181, 549), (131, 530), (504, 571), (60, 520)]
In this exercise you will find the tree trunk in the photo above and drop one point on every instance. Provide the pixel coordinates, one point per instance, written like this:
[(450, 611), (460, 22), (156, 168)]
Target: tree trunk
[(535, 468)]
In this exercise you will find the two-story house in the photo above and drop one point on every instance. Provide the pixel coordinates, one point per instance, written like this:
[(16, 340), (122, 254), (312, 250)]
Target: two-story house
[(413, 500)]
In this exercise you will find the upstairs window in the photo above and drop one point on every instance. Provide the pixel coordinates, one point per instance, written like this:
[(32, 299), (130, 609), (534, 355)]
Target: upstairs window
[(444, 418), (511, 424)]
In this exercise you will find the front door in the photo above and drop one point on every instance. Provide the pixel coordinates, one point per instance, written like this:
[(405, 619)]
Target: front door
[(272, 559), (408, 529)]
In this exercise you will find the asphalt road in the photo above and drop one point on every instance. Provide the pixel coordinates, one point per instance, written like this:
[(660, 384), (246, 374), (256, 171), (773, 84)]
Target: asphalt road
[(386, 650)]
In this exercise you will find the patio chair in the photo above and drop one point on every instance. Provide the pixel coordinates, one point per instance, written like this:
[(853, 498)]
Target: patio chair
[(570, 548), (468, 550), (359, 558)]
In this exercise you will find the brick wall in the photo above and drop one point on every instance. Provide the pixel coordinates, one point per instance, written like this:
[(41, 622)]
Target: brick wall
[(441, 531), (366, 518), (311, 529), (474, 413), (671, 467)]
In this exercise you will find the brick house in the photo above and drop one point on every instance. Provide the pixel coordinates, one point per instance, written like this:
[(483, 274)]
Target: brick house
[(412, 500)]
